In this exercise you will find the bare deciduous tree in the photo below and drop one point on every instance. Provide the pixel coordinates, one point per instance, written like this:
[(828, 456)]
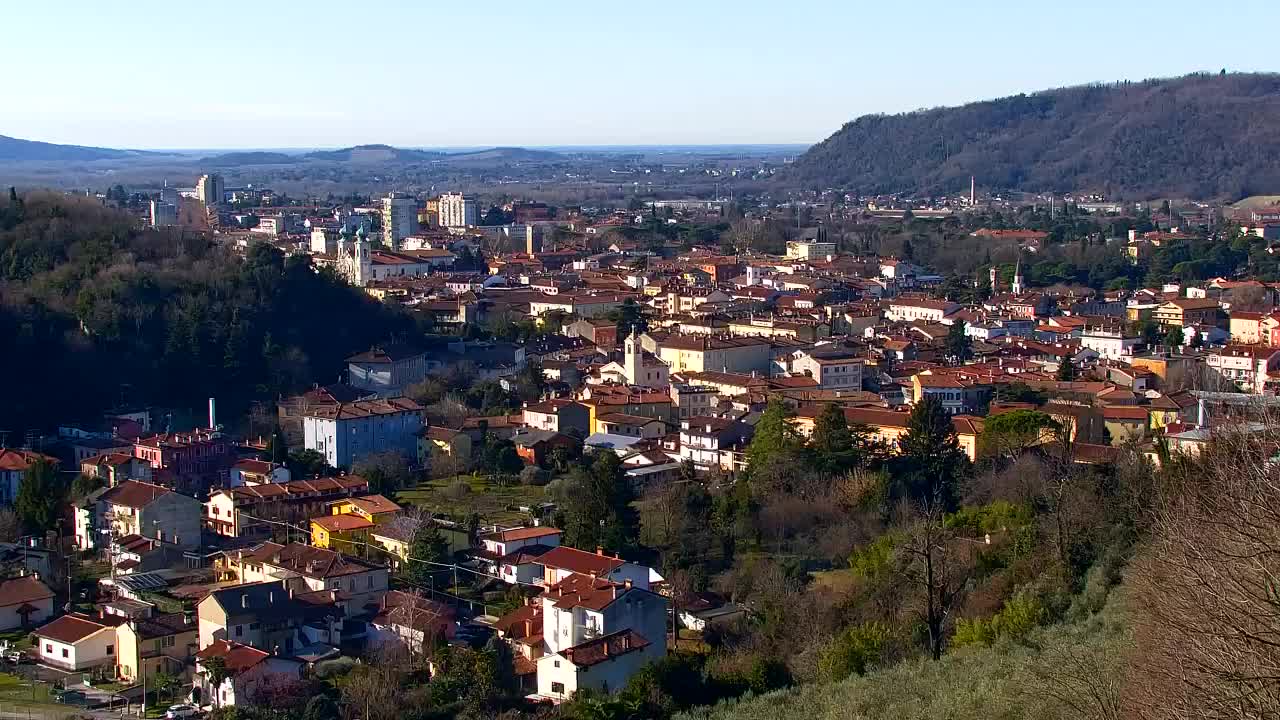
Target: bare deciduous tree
[(1207, 588)]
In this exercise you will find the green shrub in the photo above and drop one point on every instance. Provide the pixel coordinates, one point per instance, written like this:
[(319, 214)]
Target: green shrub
[(853, 651)]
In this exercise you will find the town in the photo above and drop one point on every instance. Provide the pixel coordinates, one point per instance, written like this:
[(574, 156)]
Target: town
[(578, 461)]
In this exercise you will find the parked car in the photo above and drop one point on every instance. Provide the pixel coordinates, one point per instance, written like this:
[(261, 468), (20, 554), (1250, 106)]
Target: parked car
[(181, 712)]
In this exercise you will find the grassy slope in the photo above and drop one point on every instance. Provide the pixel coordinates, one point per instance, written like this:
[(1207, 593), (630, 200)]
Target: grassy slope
[(1004, 681)]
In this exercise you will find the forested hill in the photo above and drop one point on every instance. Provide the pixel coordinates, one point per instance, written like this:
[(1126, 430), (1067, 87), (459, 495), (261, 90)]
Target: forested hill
[(95, 311), (1197, 136)]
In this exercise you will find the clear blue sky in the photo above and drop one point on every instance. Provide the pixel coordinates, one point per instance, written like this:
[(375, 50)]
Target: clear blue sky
[(225, 74)]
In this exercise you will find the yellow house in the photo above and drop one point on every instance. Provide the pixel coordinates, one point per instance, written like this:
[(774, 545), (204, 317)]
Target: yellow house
[(160, 643), (349, 520)]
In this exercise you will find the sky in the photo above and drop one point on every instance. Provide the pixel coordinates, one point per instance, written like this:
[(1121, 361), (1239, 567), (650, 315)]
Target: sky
[(439, 73)]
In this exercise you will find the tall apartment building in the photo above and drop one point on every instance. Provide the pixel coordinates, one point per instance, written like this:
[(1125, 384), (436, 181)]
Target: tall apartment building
[(163, 213), (457, 210), (399, 219), (210, 189)]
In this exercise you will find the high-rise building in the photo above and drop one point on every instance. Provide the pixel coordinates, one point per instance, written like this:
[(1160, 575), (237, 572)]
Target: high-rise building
[(210, 189), (399, 218), (457, 210), (163, 213)]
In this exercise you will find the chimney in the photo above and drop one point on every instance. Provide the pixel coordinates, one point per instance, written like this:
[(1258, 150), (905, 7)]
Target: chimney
[(605, 645), (188, 617), (271, 597), (213, 413), (600, 550), (528, 628), (627, 583)]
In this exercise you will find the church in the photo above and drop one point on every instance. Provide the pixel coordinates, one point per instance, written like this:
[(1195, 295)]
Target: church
[(637, 367), (360, 264)]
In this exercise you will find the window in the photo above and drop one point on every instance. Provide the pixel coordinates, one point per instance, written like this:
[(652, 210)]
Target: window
[(556, 687), (239, 630), (64, 652), (48, 648), (557, 662), (111, 649)]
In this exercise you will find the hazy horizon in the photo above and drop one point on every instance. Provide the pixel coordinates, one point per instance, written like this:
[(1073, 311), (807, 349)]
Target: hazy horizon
[(152, 75)]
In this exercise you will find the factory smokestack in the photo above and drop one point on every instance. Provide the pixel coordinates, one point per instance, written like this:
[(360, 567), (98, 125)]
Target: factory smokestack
[(213, 414)]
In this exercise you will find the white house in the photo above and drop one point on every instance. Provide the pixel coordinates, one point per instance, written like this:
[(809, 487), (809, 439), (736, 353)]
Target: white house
[(77, 642), (249, 671), (1110, 344), (926, 310), (24, 601), (597, 634), (833, 369), (138, 508)]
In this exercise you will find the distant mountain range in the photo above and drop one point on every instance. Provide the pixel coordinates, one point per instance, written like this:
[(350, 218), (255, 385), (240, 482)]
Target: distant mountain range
[(1198, 136), (18, 150)]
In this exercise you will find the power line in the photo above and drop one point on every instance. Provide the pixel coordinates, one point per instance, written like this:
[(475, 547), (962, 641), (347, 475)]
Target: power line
[(406, 557)]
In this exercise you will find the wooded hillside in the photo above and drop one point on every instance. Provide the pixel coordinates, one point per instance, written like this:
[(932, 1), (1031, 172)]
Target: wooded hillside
[(1198, 136)]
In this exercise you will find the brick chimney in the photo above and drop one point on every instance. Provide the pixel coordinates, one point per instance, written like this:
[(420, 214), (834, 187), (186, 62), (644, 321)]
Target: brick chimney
[(600, 550)]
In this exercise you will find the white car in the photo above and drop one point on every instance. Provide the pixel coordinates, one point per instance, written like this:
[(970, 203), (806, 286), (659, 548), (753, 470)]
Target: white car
[(181, 712)]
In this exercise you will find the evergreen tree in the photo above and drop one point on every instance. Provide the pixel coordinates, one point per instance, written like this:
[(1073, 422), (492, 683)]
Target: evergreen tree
[(774, 437), (930, 463), (595, 506), (430, 545), (1066, 370), (959, 344), (40, 495)]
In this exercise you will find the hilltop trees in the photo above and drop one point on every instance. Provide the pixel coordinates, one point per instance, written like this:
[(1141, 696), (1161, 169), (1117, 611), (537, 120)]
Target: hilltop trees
[(94, 306)]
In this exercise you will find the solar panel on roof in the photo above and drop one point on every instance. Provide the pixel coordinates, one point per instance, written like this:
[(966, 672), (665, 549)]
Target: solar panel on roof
[(142, 581)]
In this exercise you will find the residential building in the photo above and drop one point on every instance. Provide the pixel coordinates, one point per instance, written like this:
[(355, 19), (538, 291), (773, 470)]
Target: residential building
[(1187, 311), (235, 512), (690, 400), (558, 415), (810, 250), (249, 672), (349, 431), (154, 644), (210, 190), (139, 508), (265, 615), (834, 369), (14, 465), (907, 310), (1247, 366), (257, 472), (115, 467), (399, 219), (304, 569), (1111, 344), (707, 441), (597, 634), (457, 210), (692, 353), (387, 370), (346, 527), (77, 642), (24, 601), (199, 457), (412, 620)]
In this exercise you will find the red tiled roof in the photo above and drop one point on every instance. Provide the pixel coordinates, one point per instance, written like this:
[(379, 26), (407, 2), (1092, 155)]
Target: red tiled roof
[(134, 494), (26, 589), (578, 561), (342, 523), (73, 628), (235, 656), (21, 459), (525, 533), (596, 651)]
